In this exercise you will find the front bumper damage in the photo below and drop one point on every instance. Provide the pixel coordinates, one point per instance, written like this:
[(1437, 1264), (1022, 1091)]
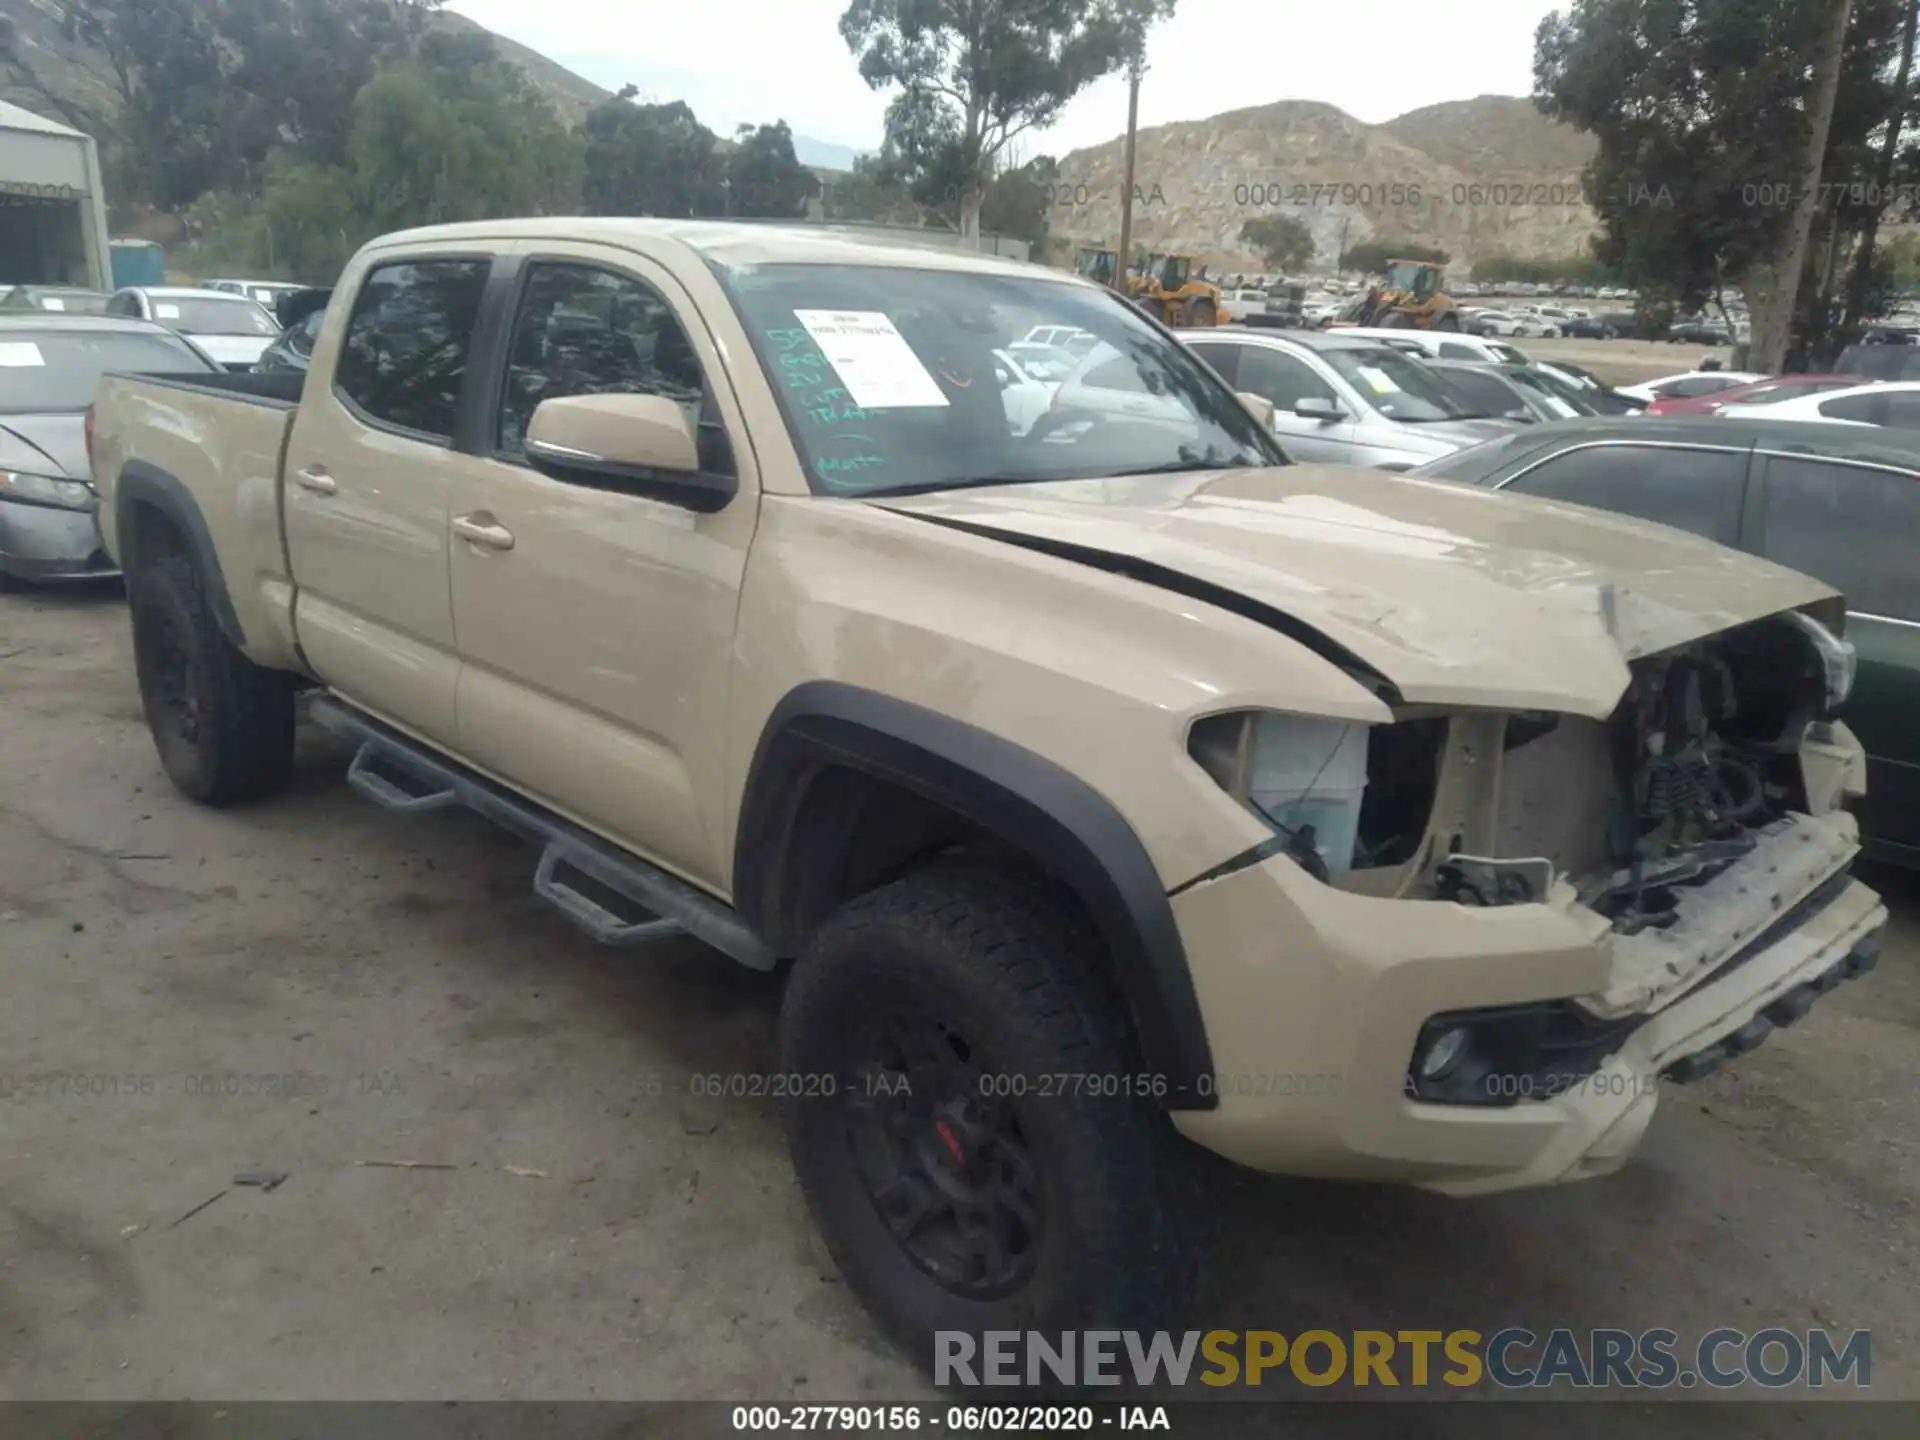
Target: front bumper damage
[(1315, 999)]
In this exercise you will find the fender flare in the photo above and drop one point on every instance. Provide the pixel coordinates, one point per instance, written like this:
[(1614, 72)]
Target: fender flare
[(143, 484), (1015, 795)]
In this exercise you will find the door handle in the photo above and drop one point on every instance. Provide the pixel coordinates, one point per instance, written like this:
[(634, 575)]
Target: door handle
[(482, 530), (316, 479)]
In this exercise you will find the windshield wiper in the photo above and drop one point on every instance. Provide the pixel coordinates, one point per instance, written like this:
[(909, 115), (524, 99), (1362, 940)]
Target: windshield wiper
[(1186, 467)]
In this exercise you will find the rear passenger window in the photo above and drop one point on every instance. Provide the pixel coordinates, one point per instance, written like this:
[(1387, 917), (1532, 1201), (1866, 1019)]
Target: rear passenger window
[(1696, 490), (1454, 350), (405, 352), (1850, 526)]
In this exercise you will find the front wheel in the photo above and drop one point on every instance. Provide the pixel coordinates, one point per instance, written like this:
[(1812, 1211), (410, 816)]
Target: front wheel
[(979, 1147), (1200, 313), (223, 725), (1448, 321)]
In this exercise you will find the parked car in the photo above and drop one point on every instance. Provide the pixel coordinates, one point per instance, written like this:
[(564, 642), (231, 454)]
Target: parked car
[(1024, 395), (1835, 501), (1893, 403), (1507, 323), (56, 300), (1696, 331), (1061, 337), (1881, 362), (264, 292), (1545, 396), (1588, 327), (1772, 391), (50, 366), (1483, 388), (1601, 397), (1690, 384), (231, 328), (292, 348), (1346, 400), (1441, 344)]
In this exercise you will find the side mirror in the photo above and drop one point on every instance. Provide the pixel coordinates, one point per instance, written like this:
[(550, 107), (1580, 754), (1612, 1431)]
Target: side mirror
[(1261, 407), (1317, 407), (643, 444)]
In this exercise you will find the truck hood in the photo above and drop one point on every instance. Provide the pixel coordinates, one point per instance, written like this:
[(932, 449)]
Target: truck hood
[(45, 445), (1458, 596)]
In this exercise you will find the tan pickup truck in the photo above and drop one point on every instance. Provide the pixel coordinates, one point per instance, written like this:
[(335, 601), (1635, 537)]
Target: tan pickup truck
[(1108, 782)]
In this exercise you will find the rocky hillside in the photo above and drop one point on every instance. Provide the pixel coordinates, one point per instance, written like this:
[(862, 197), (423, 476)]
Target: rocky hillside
[(1476, 178)]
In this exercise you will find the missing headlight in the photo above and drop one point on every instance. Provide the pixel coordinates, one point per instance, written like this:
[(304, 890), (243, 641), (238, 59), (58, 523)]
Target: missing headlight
[(1346, 795)]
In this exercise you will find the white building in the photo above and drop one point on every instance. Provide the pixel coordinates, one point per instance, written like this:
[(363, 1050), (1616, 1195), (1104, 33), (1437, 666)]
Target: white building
[(53, 211)]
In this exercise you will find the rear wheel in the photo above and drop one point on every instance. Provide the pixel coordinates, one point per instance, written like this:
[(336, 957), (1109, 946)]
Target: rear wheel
[(1200, 312), (959, 1183), (223, 725), (1393, 320), (1448, 321)]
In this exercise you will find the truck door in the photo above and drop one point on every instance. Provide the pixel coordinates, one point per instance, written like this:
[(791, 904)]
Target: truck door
[(595, 624), (367, 473)]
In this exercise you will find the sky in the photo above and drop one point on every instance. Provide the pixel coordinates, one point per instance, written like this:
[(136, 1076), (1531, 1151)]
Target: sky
[(755, 61)]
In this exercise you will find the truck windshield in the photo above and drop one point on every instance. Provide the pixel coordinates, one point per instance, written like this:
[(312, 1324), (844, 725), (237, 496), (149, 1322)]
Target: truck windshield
[(44, 372), (212, 315), (887, 378)]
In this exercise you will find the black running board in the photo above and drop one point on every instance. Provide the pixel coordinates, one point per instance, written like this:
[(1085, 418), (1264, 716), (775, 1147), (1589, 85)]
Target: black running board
[(614, 897)]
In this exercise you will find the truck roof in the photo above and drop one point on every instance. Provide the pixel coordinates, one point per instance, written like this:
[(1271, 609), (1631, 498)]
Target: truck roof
[(737, 243)]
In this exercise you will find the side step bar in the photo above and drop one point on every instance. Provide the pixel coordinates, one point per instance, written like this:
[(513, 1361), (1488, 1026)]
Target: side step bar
[(613, 896)]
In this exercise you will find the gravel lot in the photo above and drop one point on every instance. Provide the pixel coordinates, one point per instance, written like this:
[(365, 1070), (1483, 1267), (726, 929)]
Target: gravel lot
[(594, 1230)]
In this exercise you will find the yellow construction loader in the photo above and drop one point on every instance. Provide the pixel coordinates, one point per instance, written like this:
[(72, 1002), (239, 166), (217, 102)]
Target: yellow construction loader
[(1410, 296), (1167, 286)]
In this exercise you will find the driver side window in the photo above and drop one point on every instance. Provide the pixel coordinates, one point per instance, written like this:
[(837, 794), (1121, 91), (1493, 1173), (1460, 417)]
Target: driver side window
[(585, 331)]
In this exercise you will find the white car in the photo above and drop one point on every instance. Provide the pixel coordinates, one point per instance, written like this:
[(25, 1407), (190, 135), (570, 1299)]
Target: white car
[(1689, 384), (1513, 323), (1062, 337), (1440, 344), (1894, 403), (1024, 396), (232, 329), (267, 292)]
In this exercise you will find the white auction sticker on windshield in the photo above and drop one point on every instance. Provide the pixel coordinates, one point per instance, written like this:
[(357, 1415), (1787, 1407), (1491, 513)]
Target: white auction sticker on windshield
[(166, 312), (1381, 382), (872, 359), (20, 355), (52, 304)]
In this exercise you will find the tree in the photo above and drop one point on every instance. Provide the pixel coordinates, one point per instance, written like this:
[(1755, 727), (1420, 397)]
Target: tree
[(763, 178), (975, 74), (1284, 241), (1711, 117), (1019, 203), (1370, 257), (650, 160)]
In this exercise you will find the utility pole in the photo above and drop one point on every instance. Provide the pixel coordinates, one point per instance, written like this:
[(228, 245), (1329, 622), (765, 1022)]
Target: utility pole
[(1340, 256), (1124, 260)]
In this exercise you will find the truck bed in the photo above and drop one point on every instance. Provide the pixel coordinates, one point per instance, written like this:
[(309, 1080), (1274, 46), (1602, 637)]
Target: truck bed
[(271, 387), (212, 445)]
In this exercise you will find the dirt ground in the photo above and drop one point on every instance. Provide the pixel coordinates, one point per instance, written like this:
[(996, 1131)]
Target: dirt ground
[(309, 985), (1626, 362)]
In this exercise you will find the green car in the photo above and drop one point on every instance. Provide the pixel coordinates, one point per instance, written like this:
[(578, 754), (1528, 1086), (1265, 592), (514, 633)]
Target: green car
[(1839, 502)]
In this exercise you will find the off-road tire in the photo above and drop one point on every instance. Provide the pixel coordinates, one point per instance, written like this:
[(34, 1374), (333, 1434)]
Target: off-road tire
[(1013, 966), (1449, 321), (223, 725), (1200, 313)]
